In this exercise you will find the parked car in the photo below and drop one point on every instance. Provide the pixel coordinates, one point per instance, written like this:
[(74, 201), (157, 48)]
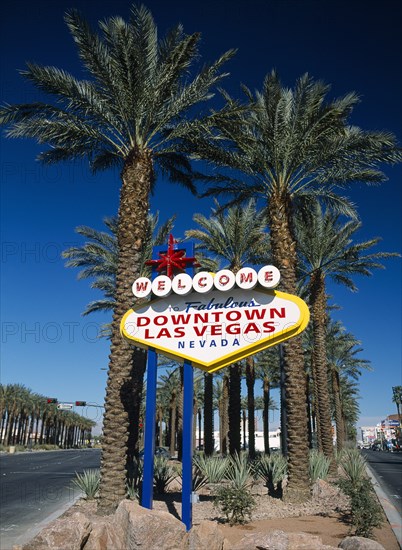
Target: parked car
[(159, 451)]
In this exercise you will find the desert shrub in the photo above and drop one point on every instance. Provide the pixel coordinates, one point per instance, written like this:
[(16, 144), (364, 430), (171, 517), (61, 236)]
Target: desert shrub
[(318, 465), (272, 469), (365, 510), (88, 482), (45, 447), (235, 502), (163, 474)]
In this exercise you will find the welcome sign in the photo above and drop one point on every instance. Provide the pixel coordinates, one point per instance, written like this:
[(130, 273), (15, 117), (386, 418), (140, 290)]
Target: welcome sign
[(215, 328)]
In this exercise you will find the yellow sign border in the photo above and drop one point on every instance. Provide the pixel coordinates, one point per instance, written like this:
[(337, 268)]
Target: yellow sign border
[(232, 357)]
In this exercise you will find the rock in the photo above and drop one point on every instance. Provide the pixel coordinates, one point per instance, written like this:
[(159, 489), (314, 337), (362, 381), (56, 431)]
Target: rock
[(305, 541), (104, 536), (360, 543), (207, 536), (146, 529), (68, 532), (279, 540), (323, 489)]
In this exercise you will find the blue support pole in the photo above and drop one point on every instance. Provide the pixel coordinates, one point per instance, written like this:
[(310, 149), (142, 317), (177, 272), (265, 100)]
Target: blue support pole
[(188, 397), (187, 474), (149, 440)]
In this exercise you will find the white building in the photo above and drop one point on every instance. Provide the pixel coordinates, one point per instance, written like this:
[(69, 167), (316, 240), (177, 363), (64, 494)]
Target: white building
[(274, 440)]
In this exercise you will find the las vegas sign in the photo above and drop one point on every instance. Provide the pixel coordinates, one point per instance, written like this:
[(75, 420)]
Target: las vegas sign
[(214, 320)]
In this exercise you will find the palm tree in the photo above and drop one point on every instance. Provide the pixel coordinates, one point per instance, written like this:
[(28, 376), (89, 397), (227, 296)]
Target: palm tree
[(327, 250), (267, 370), (129, 113), (349, 394), (293, 143), (342, 350), (236, 237), (98, 259)]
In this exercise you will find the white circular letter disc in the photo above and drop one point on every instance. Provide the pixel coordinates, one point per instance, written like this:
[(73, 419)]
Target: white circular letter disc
[(246, 278), (161, 285), (224, 279), (182, 284), (269, 276), (203, 282), (141, 287)]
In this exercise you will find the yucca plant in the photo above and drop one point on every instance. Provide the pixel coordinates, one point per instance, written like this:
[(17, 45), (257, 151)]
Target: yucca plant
[(88, 482), (239, 471), (213, 468), (163, 474), (272, 469), (353, 467), (132, 492), (135, 478), (319, 465)]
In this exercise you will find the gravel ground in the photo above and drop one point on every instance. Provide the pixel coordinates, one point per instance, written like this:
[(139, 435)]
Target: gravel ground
[(325, 499)]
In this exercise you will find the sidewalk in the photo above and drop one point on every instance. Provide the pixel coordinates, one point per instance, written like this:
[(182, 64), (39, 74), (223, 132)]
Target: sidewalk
[(391, 512)]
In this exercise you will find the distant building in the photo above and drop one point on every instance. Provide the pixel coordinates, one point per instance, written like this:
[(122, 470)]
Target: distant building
[(388, 425), (368, 434), (383, 430)]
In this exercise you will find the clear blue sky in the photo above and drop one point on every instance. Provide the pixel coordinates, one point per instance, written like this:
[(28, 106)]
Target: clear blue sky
[(354, 45)]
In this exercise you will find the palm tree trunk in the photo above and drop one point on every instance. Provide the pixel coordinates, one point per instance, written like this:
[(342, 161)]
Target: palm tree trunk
[(265, 413), (235, 409), (340, 426), (224, 414), (309, 426), (244, 422), (42, 428), (195, 408), (316, 407), (137, 177), (199, 414), (173, 408), (250, 380), (133, 407), (284, 257), (319, 303), (10, 425), (208, 414)]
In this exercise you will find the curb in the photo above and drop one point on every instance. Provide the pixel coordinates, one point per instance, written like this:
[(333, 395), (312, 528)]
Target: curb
[(393, 516)]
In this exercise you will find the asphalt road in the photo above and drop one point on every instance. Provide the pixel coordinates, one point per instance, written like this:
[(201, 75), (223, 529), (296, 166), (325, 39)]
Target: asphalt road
[(35, 488), (387, 468)]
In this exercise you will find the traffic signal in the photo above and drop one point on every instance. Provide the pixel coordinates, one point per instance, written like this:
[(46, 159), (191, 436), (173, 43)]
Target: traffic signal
[(51, 400), (80, 403)]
